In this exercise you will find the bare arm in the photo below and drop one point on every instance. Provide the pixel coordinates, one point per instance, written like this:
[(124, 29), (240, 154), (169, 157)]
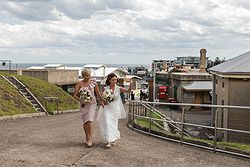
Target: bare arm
[(75, 94), (127, 90), (97, 91)]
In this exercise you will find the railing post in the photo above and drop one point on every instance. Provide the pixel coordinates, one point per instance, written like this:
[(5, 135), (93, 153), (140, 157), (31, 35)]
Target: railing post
[(215, 129), (150, 120), (129, 111), (138, 108), (133, 115), (182, 123)]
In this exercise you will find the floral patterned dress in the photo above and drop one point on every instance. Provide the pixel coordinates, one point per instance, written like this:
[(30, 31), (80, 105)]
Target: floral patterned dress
[(88, 109)]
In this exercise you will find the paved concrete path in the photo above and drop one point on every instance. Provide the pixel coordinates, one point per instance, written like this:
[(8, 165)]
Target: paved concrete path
[(59, 141)]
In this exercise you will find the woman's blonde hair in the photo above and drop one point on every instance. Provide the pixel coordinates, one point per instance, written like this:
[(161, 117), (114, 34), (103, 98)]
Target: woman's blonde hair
[(86, 71)]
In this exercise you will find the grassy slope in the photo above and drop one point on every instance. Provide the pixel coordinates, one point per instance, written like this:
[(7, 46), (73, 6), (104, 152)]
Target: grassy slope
[(42, 89), (11, 102)]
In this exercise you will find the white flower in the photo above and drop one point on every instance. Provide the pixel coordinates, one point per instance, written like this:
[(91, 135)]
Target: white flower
[(85, 95), (108, 95)]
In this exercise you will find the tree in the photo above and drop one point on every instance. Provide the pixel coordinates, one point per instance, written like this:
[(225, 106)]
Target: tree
[(216, 61)]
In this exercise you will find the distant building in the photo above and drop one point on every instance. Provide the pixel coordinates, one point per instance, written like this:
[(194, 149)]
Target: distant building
[(140, 71), (56, 67), (101, 73), (67, 77), (192, 85), (64, 78), (160, 69), (94, 66), (159, 65), (232, 87), (189, 60)]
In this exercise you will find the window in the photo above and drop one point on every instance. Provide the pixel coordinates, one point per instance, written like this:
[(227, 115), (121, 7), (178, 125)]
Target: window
[(223, 84)]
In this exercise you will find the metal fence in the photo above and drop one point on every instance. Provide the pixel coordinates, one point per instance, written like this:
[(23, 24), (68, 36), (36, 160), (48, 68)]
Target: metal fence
[(163, 125)]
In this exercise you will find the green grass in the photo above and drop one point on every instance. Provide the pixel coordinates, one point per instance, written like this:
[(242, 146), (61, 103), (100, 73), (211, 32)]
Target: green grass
[(42, 89), (143, 122), (12, 102), (154, 115), (240, 146)]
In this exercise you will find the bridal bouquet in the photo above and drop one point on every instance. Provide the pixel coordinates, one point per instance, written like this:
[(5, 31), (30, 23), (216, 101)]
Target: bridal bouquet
[(108, 96), (85, 95)]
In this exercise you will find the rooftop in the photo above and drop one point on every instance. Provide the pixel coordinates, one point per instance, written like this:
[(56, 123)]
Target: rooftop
[(237, 65), (199, 85)]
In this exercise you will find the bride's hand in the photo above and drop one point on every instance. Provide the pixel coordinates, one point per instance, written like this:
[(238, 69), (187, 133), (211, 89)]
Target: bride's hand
[(102, 103), (105, 102), (81, 101)]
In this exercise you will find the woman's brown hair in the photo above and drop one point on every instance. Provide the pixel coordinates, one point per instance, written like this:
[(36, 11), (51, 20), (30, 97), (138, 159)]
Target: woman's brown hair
[(111, 75)]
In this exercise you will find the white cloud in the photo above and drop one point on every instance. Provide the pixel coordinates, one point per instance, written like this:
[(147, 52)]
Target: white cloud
[(124, 31)]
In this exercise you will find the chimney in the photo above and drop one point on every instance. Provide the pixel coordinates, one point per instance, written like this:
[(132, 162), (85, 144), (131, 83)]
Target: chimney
[(203, 60)]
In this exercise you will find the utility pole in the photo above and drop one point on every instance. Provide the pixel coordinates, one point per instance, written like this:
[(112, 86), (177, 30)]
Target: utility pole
[(154, 81)]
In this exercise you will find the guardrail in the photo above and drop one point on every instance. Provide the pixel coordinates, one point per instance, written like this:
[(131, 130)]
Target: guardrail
[(143, 110)]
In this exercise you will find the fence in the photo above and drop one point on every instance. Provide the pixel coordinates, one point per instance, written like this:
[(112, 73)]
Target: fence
[(151, 118)]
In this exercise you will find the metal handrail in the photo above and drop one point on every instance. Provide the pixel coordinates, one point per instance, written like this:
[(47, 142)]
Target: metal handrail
[(215, 128), (168, 120)]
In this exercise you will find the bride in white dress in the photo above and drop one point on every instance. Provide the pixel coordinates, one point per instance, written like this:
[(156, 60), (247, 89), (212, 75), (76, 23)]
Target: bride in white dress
[(108, 116)]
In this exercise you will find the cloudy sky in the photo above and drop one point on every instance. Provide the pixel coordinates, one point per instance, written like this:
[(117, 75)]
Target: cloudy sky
[(121, 31)]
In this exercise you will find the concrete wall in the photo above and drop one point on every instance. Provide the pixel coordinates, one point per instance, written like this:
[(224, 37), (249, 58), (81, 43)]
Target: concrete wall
[(236, 92), (59, 77), (197, 97), (41, 74), (239, 94), (222, 99), (63, 77)]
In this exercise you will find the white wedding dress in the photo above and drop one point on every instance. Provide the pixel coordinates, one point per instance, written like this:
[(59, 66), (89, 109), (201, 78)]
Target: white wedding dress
[(108, 117)]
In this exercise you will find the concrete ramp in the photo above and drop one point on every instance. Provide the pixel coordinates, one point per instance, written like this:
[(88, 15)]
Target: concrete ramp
[(29, 142)]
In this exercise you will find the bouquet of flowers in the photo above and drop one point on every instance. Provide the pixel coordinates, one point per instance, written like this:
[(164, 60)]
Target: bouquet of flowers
[(108, 96), (85, 95)]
